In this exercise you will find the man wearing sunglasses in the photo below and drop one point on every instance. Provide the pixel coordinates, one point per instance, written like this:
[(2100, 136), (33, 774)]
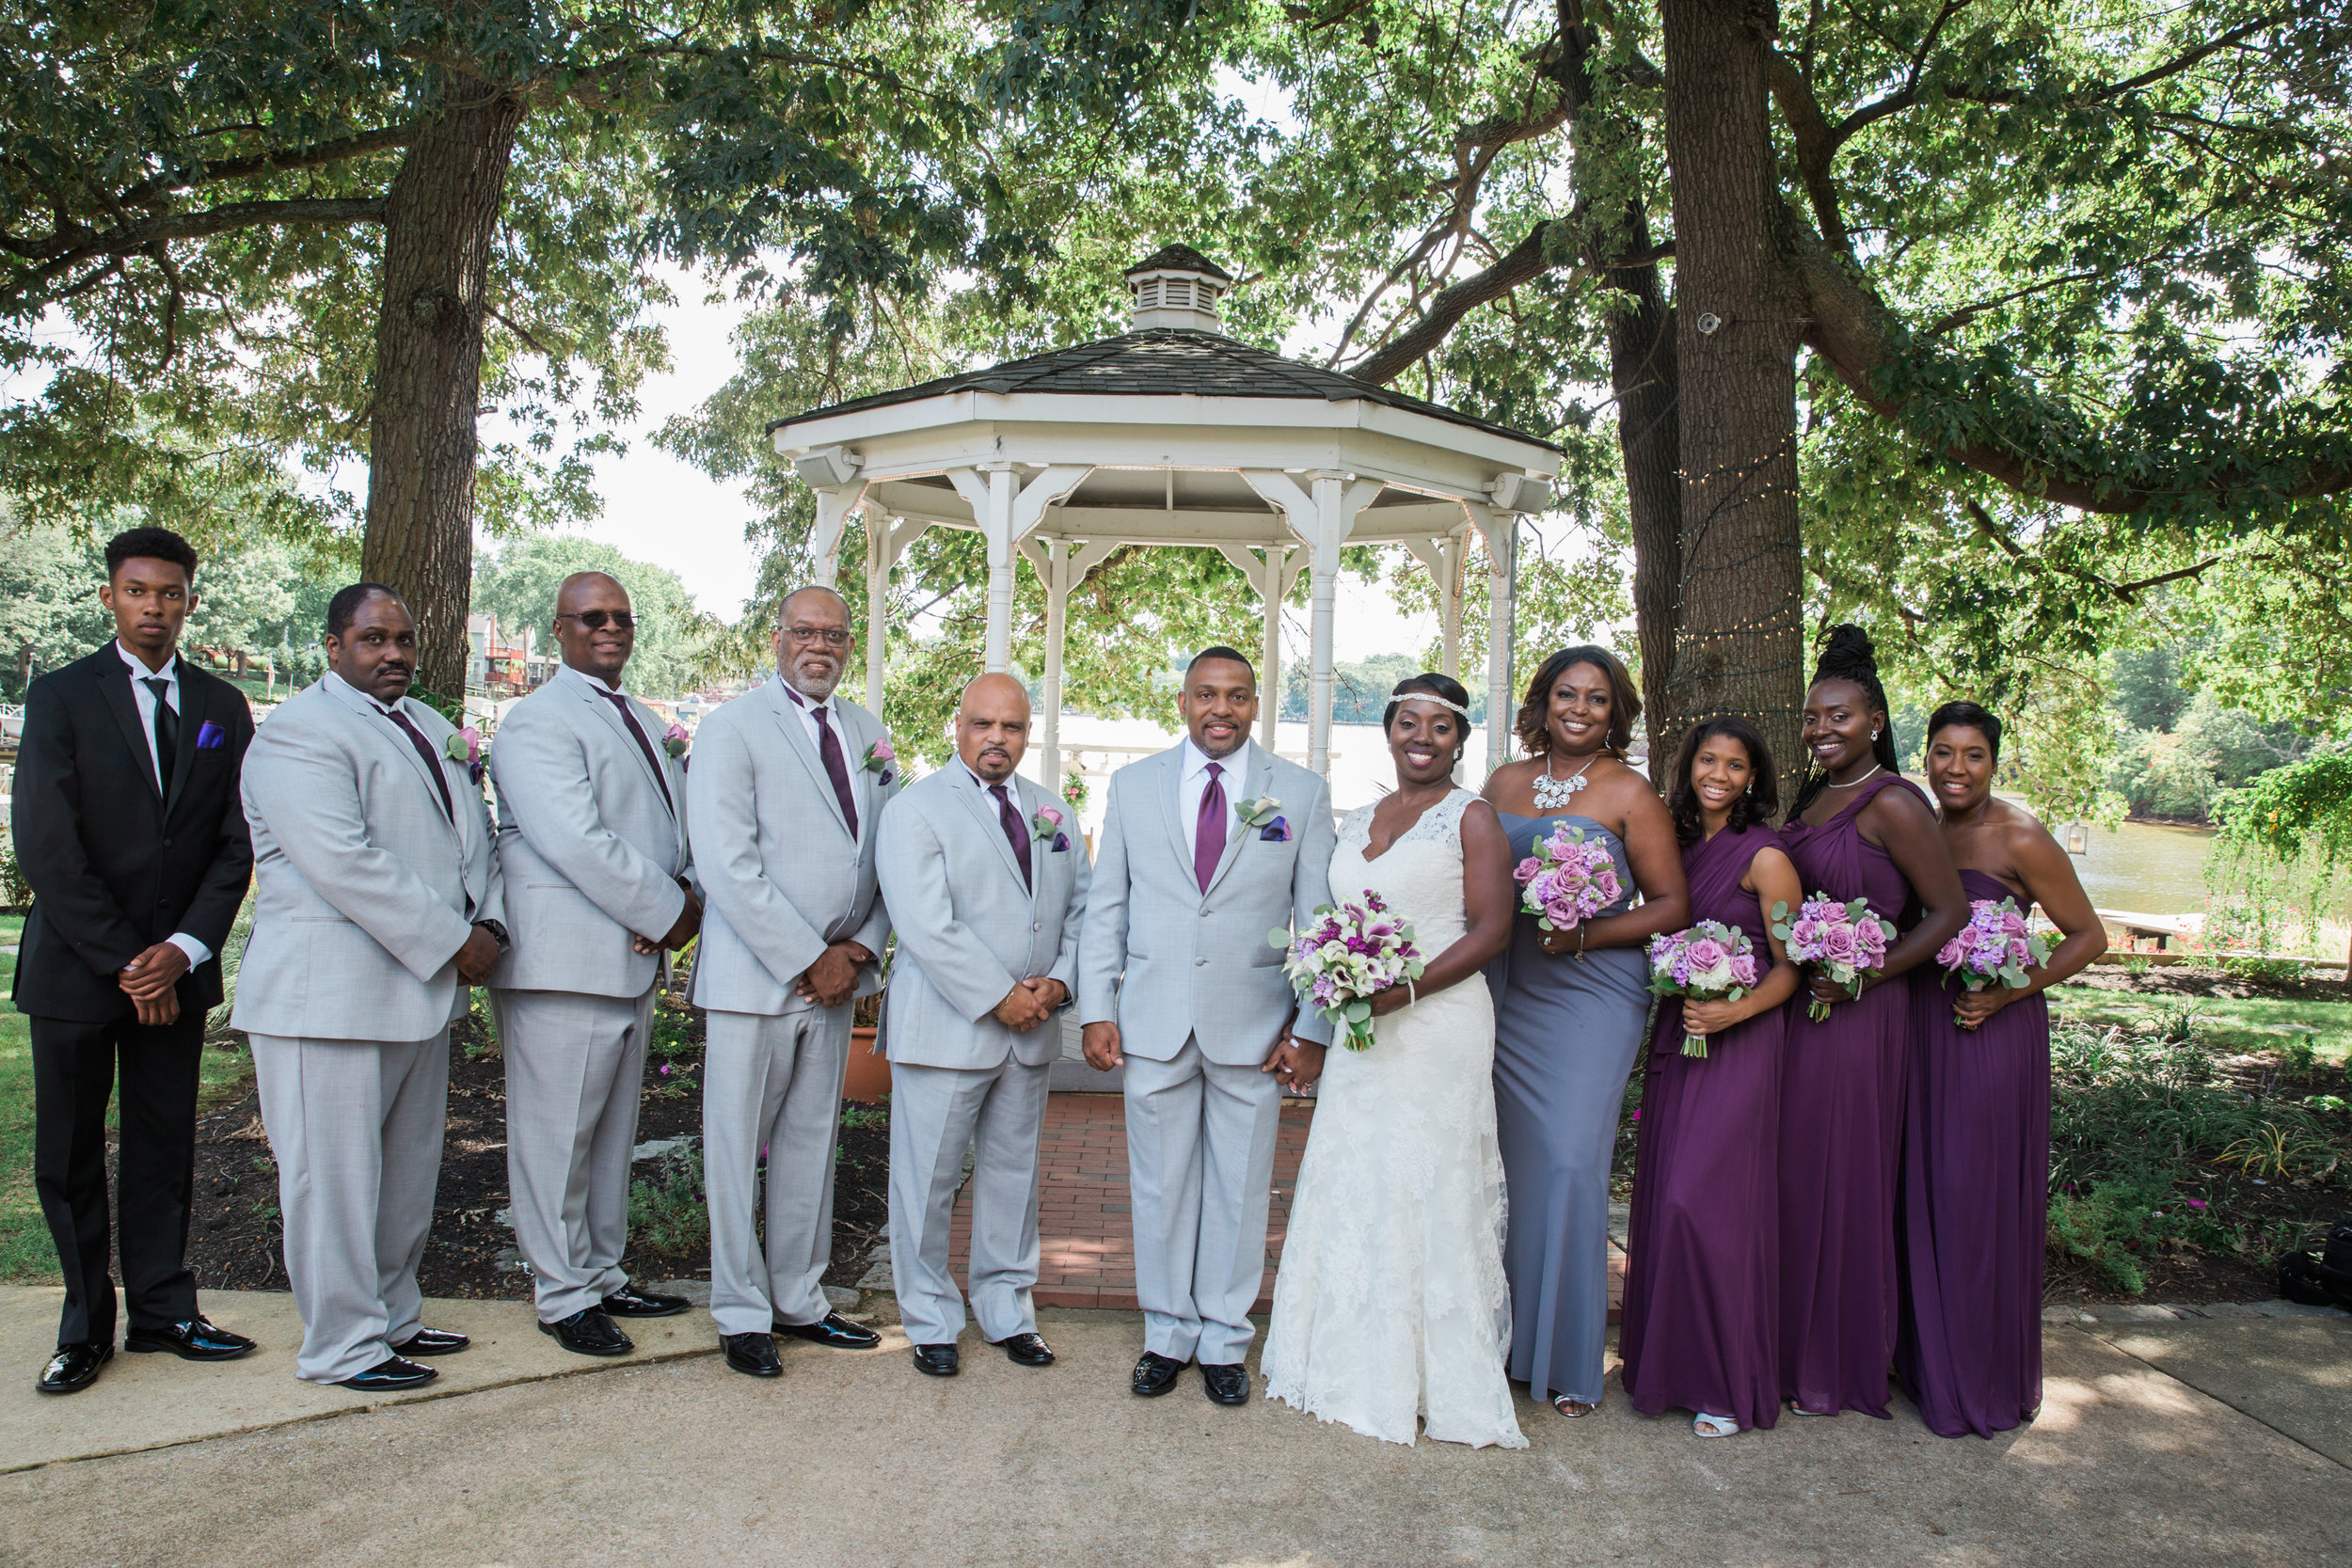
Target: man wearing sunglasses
[(592, 834), (787, 785)]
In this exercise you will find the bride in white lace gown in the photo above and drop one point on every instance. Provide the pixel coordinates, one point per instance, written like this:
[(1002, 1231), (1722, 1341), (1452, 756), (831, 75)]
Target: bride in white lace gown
[(1390, 1302)]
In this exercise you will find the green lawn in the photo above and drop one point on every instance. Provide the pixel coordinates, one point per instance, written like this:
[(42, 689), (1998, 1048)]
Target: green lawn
[(2225, 1023)]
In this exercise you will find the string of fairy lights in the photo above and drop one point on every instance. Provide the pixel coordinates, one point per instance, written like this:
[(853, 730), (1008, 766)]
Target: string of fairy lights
[(1711, 655)]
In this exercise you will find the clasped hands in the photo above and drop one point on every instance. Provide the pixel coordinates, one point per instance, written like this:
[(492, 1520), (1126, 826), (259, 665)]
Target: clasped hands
[(1295, 1063), (1031, 1003), (682, 931), (149, 981)]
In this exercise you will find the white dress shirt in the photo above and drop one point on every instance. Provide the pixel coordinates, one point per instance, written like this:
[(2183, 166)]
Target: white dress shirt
[(1195, 784), (807, 707), (143, 699)]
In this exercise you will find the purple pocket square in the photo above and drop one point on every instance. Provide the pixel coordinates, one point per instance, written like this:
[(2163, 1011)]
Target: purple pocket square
[(1061, 844), (210, 737), (1277, 832)]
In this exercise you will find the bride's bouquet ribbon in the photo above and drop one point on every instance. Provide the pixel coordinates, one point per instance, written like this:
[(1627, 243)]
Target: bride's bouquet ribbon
[(1996, 947), (1846, 940), (1352, 953), (1567, 879), (1709, 961)]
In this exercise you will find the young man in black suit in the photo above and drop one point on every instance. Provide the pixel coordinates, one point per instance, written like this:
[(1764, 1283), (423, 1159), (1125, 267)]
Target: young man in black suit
[(130, 831)]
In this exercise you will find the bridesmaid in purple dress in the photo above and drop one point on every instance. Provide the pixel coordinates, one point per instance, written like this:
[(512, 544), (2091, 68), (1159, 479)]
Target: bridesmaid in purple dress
[(1701, 1307), (1857, 830), (1977, 1132)]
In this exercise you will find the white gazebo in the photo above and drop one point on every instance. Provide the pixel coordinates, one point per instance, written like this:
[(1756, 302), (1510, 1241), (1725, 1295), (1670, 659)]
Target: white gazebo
[(1175, 434)]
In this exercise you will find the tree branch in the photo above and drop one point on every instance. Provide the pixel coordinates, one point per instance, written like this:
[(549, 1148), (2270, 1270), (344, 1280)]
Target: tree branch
[(135, 239), (314, 156), (1524, 261)]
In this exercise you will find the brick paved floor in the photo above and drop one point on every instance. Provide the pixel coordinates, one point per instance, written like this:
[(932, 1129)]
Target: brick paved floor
[(1087, 1252)]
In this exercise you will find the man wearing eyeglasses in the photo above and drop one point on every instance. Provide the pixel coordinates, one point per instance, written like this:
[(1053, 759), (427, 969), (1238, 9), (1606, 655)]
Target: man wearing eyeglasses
[(592, 834), (787, 785)]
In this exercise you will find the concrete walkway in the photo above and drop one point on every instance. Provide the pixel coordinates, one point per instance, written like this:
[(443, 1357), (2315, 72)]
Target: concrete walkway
[(855, 1459)]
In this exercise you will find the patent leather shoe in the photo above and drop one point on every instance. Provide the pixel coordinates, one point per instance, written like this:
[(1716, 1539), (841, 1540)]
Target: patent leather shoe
[(589, 1332), (1027, 1350), (1227, 1383), (197, 1340), (432, 1341), (753, 1354), (391, 1375), (1154, 1375), (835, 1331), (73, 1369), (937, 1360), (631, 1301)]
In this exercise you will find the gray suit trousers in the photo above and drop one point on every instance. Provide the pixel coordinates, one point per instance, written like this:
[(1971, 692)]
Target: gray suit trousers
[(357, 1128), (1201, 1141), (935, 1113), (573, 1067), (771, 1082)]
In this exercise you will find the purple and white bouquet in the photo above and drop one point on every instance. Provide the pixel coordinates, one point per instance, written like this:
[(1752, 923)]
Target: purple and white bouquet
[(1566, 880), (1844, 941), (1709, 961), (1996, 947), (1350, 955)]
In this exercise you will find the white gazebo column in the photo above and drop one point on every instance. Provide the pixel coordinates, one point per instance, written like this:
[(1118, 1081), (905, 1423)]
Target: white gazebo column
[(831, 474), (1500, 531), (1061, 565), (1443, 556), (1272, 577), (1006, 510), (1324, 520), (887, 539)]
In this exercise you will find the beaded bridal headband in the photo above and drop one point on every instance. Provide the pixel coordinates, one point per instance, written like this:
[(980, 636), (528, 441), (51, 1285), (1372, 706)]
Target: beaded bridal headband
[(1428, 697)]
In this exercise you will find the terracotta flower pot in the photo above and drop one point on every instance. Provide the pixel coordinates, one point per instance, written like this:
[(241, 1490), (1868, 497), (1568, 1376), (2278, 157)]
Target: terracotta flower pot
[(869, 1074)]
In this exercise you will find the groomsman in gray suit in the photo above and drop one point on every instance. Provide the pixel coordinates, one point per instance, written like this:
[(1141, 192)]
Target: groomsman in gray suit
[(1203, 849), (986, 885), (377, 904), (592, 841), (782, 804)]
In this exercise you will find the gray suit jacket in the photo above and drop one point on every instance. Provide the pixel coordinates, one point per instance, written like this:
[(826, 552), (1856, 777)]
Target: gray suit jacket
[(590, 848), (1165, 960), (363, 890), (782, 876), (968, 928)]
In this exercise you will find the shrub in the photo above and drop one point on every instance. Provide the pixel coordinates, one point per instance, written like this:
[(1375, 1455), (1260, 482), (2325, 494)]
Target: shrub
[(669, 1212)]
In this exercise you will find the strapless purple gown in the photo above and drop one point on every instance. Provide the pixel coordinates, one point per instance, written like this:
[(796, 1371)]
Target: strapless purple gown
[(1974, 1206), (1841, 1109), (1702, 1309)]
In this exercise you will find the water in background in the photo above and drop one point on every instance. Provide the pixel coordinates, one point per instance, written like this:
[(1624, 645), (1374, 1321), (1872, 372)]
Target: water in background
[(2145, 868)]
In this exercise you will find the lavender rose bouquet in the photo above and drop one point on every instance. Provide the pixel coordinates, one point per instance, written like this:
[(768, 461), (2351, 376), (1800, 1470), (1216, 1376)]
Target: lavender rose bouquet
[(1844, 941), (1350, 955), (1709, 961), (1996, 947), (1567, 880)]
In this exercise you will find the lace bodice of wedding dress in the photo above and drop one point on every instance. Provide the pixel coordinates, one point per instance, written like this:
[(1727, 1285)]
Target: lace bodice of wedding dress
[(1390, 1301)]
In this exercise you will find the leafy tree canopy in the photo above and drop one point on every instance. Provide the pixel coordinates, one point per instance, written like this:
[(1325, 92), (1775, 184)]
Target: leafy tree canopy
[(518, 584)]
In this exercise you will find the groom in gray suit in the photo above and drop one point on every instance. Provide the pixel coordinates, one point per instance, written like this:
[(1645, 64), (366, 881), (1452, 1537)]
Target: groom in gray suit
[(782, 804), (592, 844), (986, 885), (1204, 848), (377, 903)]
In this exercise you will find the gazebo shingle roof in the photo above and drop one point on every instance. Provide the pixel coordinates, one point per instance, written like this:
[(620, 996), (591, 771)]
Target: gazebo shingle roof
[(1162, 362)]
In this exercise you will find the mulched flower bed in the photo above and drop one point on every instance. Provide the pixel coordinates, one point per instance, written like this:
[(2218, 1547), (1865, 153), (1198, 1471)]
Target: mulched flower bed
[(235, 1239)]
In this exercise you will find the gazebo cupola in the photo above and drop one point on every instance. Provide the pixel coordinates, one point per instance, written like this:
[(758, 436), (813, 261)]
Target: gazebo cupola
[(1175, 434)]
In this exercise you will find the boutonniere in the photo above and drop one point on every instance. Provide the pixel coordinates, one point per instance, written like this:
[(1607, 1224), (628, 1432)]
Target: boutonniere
[(1047, 824), (465, 746), (1276, 831), (877, 758), (1260, 811), (674, 740)]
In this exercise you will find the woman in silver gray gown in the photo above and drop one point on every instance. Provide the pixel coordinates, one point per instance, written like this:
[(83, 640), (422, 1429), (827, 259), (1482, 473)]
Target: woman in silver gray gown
[(1569, 1008)]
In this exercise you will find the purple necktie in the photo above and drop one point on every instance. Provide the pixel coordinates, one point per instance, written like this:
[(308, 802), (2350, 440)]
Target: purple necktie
[(1016, 831), (836, 767), (646, 746), (1208, 834), (431, 763)]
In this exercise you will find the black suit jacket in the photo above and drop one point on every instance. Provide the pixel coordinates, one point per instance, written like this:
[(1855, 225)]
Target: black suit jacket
[(115, 866)]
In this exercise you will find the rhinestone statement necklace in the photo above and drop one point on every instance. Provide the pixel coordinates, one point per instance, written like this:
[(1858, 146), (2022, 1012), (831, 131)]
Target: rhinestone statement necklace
[(1553, 794)]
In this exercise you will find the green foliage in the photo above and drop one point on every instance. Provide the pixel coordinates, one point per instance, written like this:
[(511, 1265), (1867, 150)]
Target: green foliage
[(2303, 808), (518, 584), (667, 1211), (2148, 692), (49, 609)]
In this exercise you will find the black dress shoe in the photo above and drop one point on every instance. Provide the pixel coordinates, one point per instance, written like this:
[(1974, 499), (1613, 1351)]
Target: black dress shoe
[(1027, 1350), (753, 1354), (589, 1332), (432, 1341), (631, 1301), (73, 1369), (835, 1330), (390, 1375), (1154, 1375), (1226, 1384), (197, 1340), (937, 1360)]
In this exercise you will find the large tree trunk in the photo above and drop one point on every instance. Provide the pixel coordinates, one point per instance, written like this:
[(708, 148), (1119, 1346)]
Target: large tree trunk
[(439, 219), (1740, 639)]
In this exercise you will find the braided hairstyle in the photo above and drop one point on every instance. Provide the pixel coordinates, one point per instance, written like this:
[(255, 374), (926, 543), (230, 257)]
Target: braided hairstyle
[(1847, 656)]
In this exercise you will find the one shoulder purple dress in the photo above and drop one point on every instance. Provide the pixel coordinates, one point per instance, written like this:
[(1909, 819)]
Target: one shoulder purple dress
[(1974, 1206), (1702, 1308), (1841, 1109)]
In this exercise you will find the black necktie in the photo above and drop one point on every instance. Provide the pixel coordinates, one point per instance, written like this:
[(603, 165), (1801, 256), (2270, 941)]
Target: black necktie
[(166, 733), (431, 763), (836, 767), (646, 746), (1016, 833)]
